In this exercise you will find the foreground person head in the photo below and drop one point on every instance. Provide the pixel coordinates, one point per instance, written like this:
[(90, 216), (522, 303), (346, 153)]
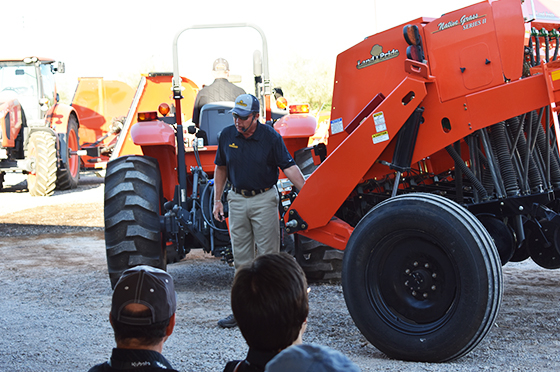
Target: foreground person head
[(311, 358), (270, 304), (143, 317), (269, 301)]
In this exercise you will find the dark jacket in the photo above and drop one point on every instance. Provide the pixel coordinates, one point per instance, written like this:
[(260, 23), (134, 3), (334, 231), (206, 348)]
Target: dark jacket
[(219, 90), (134, 361), (255, 362)]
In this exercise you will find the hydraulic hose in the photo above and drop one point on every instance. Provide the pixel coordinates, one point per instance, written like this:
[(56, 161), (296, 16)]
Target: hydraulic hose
[(545, 149), (500, 147), (467, 172), (556, 35), (532, 54), (209, 221), (531, 173)]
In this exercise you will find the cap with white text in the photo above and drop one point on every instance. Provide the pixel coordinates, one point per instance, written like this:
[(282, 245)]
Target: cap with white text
[(146, 285)]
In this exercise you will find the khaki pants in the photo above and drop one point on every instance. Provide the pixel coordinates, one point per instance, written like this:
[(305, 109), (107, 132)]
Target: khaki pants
[(253, 221)]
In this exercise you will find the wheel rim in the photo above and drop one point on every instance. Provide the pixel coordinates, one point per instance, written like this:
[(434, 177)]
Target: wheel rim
[(411, 282), (73, 160)]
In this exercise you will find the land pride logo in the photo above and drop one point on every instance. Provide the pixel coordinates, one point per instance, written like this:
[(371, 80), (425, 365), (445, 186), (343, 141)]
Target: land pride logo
[(377, 56)]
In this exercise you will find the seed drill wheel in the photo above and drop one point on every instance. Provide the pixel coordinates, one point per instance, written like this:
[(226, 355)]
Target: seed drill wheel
[(69, 173), (544, 247), (422, 278), (41, 151), (501, 234), (133, 197)]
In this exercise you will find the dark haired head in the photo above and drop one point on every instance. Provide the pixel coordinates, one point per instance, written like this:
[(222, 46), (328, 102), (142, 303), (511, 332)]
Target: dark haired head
[(148, 335), (269, 301)]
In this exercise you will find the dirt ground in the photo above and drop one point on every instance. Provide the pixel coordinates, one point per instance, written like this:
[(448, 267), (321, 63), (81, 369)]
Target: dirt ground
[(55, 296)]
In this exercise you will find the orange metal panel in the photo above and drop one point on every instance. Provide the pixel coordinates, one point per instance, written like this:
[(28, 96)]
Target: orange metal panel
[(362, 72), (512, 96), (337, 176), (154, 91), (508, 33), (97, 102), (335, 234), (475, 62)]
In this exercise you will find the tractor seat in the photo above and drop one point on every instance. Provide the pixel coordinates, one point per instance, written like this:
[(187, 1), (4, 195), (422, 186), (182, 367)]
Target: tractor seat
[(214, 117)]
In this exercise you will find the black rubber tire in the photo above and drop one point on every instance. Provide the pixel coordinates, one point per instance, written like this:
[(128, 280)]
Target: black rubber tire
[(390, 262), (68, 174), (133, 201), (41, 151), (321, 263)]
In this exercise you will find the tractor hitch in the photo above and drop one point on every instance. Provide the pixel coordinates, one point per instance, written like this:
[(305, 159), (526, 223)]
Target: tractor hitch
[(296, 223)]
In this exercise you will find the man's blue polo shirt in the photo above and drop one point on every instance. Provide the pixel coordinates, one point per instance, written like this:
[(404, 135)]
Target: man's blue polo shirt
[(252, 163)]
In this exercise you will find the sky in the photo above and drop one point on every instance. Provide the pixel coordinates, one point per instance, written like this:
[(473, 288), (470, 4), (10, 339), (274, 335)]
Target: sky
[(119, 39)]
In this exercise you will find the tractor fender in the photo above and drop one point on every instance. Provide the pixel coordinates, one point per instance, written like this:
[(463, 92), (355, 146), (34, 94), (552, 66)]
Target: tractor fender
[(152, 133), (58, 118), (296, 129), (296, 126), (12, 123), (34, 129)]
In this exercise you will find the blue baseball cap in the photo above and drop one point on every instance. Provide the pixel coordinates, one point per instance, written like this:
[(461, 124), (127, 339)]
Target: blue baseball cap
[(245, 104), (311, 358)]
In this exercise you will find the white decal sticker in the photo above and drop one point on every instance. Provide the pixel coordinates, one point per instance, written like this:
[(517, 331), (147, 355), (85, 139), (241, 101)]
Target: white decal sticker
[(380, 137), (336, 126), (379, 120)]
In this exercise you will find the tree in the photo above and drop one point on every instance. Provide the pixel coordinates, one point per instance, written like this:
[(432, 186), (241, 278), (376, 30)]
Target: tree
[(306, 81)]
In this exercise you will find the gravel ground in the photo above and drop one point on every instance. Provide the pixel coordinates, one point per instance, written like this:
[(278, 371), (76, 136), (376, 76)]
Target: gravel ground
[(55, 297)]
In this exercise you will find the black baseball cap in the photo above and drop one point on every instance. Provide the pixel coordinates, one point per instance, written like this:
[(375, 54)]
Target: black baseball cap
[(146, 285)]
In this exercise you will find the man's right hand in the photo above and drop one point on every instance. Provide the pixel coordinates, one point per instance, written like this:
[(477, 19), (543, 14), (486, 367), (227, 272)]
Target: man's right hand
[(218, 210)]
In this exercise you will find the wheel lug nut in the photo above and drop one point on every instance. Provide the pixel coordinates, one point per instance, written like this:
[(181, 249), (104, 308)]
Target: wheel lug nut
[(434, 275), (427, 266), (407, 271), (406, 283), (425, 295), (415, 264), (414, 293), (433, 288)]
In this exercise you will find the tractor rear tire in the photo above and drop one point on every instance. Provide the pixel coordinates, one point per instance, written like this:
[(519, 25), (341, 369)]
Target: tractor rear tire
[(321, 263), (69, 173), (133, 203), (422, 278), (42, 152)]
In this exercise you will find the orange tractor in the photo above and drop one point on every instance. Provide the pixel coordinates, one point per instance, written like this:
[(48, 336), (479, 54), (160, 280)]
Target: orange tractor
[(39, 135), (441, 166), (158, 196)]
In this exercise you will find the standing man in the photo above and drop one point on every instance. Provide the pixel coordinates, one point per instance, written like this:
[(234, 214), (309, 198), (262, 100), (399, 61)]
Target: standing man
[(220, 90), (249, 155), (143, 317)]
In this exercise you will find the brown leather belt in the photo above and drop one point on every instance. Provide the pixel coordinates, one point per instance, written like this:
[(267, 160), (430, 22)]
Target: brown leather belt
[(247, 193)]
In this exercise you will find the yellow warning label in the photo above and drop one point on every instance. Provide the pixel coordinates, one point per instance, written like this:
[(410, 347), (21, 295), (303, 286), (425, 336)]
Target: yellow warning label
[(380, 137), (555, 75)]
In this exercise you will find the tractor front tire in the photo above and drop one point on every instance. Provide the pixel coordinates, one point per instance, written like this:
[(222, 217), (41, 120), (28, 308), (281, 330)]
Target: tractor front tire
[(69, 172), (422, 278), (42, 153), (133, 202)]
